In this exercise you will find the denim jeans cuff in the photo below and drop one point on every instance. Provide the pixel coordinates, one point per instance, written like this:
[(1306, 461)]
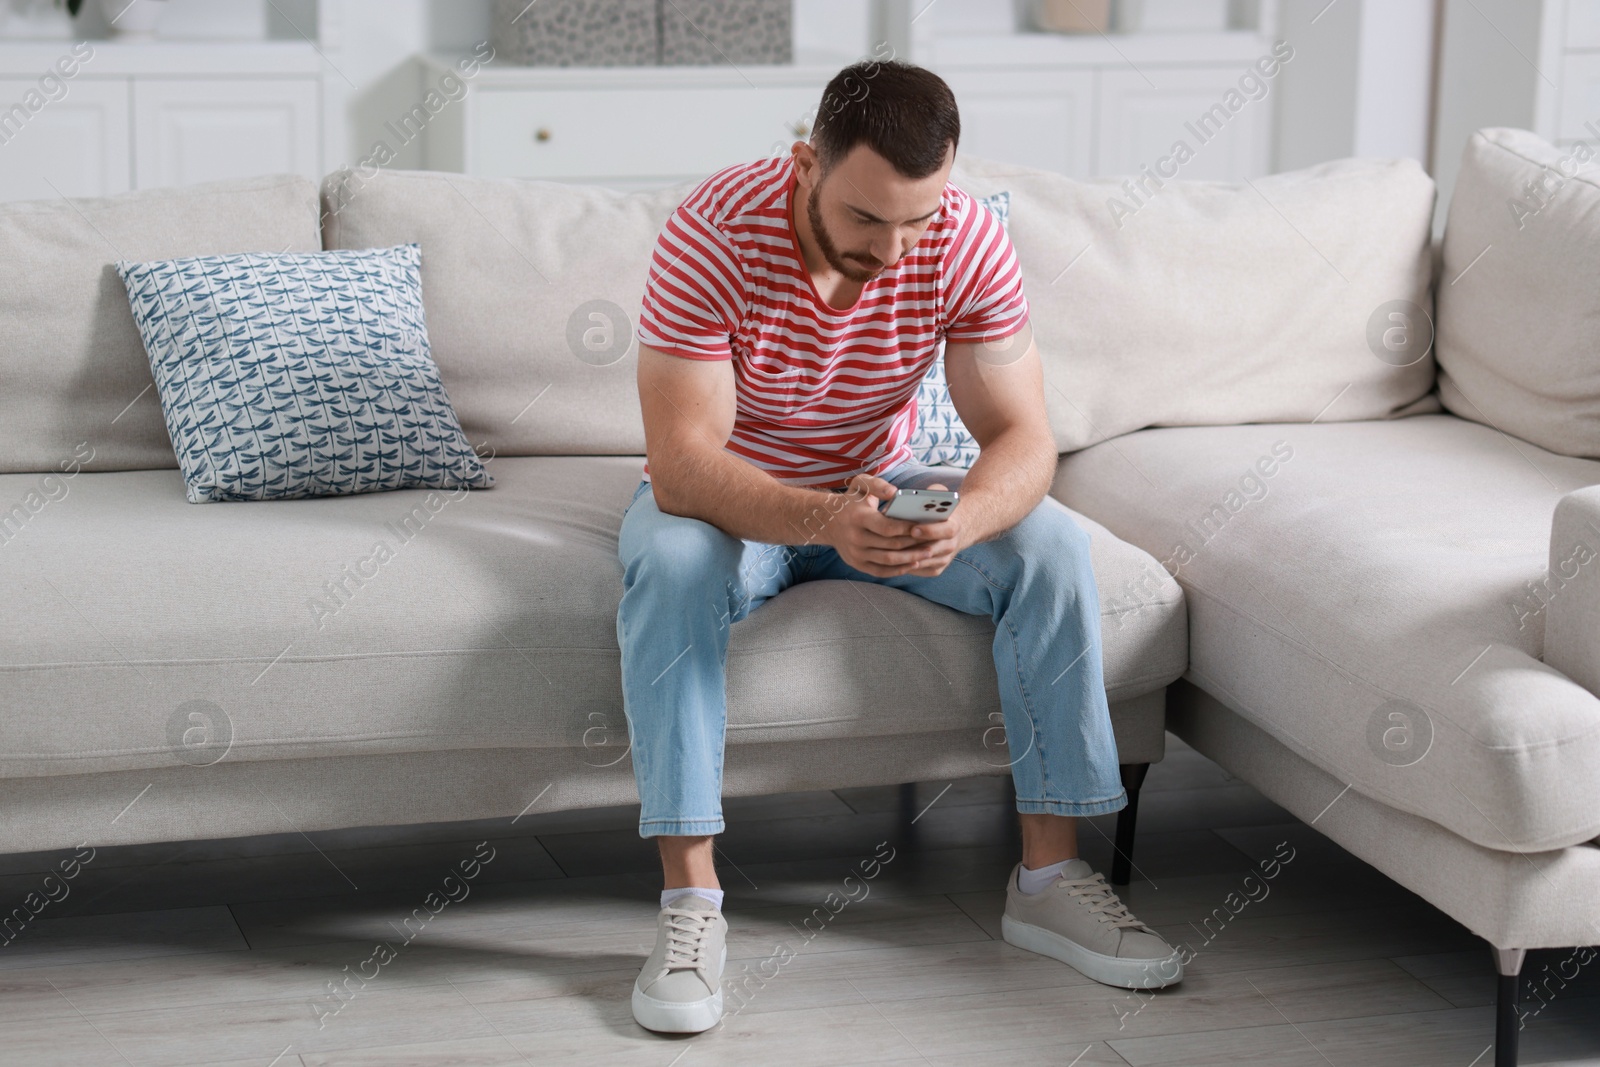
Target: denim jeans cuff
[(680, 827), (1076, 808)]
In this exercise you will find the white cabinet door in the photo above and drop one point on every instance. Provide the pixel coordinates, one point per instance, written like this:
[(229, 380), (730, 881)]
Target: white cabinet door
[(637, 135), (201, 130), (1145, 113), (1580, 96), (1038, 119), (78, 144)]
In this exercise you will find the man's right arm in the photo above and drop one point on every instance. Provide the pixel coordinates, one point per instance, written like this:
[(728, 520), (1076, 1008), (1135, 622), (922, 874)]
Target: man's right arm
[(689, 407)]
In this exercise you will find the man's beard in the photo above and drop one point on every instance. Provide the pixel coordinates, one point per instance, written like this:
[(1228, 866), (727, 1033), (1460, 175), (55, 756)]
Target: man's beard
[(851, 269)]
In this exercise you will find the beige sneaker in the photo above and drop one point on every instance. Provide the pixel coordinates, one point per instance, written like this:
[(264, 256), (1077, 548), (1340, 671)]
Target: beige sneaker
[(1080, 922), (680, 989)]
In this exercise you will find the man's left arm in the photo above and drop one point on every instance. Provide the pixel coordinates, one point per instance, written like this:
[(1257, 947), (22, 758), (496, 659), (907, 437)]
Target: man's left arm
[(998, 390)]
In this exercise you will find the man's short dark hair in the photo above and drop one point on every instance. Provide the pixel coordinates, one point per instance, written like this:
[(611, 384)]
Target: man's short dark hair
[(904, 113)]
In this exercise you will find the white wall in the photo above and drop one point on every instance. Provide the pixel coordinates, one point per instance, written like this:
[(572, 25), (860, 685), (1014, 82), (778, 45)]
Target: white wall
[(1486, 78), (1394, 79), (376, 74), (1316, 110), (1359, 82)]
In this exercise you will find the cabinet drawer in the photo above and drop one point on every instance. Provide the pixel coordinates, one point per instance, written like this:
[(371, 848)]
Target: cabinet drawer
[(595, 134)]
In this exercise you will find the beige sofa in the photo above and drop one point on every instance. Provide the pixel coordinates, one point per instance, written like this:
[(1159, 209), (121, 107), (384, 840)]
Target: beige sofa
[(1349, 629), (1394, 621), (176, 671)]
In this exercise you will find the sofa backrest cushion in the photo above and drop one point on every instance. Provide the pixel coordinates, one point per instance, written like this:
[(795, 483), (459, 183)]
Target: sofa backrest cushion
[(1204, 303), (1519, 293), (74, 378), (532, 290)]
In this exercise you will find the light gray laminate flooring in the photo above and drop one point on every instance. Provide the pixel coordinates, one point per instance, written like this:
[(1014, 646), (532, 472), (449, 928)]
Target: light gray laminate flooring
[(222, 952)]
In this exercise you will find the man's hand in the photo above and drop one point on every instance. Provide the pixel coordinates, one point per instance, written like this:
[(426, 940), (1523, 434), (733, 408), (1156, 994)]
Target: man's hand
[(875, 544)]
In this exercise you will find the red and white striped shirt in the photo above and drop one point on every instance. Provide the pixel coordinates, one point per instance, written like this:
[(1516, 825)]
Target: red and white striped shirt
[(823, 394)]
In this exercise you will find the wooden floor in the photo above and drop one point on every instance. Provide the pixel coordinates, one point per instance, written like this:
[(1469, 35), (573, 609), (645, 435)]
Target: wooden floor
[(223, 952)]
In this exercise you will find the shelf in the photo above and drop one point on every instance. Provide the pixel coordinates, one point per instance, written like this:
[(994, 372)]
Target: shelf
[(1093, 50), (170, 59), (506, 76)]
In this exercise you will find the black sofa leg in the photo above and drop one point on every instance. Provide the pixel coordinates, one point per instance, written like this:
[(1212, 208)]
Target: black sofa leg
[(907, 808), (1507, 1022), (1127, 820)]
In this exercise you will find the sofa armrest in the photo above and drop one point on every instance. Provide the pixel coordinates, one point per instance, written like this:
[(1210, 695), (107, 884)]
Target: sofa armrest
[(1570, 591)]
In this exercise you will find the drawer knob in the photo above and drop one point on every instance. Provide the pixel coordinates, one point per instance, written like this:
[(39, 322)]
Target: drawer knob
[(541, 135)]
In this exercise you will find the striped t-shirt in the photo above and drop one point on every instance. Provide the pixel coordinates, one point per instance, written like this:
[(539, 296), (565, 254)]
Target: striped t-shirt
[(822, 394)]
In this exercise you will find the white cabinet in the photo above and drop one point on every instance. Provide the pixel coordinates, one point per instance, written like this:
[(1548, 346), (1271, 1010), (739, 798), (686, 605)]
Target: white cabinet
[(199, 130), (1041, 119), (624, 127), (76, 145), (640, 127), (631, 135), (137, 115), (1143, 114), (1098, 104)]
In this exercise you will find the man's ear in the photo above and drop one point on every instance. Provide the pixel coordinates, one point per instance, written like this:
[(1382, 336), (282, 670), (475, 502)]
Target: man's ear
[(806, 164)]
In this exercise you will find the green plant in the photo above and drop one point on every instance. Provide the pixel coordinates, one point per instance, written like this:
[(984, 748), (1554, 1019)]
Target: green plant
[(72, 6)]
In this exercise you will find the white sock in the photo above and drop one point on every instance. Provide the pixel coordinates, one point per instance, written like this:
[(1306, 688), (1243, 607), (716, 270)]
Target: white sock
[(1030, 881), (670, 895)]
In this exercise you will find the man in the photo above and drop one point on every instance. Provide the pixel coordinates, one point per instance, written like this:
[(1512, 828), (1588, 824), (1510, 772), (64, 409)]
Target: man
[(793, 306)]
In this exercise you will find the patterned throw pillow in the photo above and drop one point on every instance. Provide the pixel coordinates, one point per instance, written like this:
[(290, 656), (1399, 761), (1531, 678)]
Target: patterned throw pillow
[(302, 374), (940, 439)]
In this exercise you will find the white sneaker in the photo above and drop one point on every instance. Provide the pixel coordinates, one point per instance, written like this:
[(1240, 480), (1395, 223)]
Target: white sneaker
[(680, 989), (1080, 921)]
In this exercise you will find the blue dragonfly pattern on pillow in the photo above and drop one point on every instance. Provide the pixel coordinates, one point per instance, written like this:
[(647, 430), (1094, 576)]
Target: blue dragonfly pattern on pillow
[(940, 438), (299, 374)]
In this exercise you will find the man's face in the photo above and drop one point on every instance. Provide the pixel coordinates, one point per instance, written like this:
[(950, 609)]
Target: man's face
[(864, 214)]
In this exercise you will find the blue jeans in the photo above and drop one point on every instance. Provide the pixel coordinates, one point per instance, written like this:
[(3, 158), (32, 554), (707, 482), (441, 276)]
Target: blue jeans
[(685, 582)]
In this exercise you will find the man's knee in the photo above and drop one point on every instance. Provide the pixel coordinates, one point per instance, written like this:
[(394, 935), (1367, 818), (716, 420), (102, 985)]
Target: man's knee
[(686, 554), (1047, 553), (1049, 534)]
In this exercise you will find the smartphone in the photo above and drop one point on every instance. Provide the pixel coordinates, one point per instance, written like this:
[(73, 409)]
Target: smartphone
[(922, 505)]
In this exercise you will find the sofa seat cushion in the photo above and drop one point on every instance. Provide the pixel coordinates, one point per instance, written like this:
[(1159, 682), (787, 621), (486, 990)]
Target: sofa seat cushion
[(142, 631), (1368, 593)]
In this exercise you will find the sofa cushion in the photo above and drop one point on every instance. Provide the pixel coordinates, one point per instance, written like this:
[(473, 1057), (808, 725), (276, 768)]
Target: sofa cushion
[(532, 291), (1364, 592), (73, 375), (1519, 310), (143, 632), (302, 374), (1216, 304)]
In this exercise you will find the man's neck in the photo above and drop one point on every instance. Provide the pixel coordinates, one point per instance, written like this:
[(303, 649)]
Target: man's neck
[(837, 290)]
